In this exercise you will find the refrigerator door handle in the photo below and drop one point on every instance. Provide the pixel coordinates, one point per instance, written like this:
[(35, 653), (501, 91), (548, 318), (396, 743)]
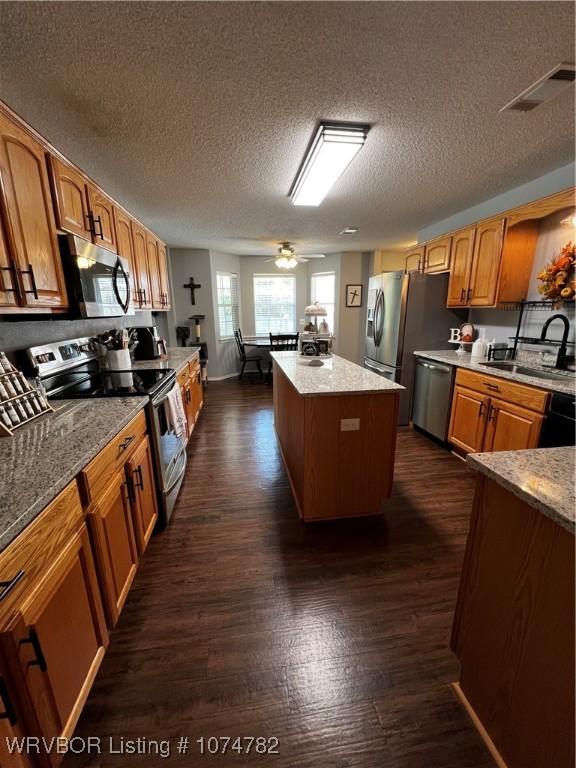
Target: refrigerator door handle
[(378, 318)]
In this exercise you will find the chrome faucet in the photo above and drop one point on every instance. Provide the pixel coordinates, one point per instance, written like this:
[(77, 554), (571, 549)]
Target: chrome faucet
[(562, 359)]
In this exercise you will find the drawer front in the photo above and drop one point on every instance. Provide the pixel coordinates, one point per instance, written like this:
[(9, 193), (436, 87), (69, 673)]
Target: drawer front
[(28, 558), (194, 366), (520, 394), (183, 377), (96, 476)]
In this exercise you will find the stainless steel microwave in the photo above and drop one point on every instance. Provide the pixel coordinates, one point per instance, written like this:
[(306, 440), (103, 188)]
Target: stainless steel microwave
[(98, 280)]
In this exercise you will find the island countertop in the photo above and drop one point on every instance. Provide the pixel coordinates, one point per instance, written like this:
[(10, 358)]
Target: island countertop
[(542, 477), (336, 377)]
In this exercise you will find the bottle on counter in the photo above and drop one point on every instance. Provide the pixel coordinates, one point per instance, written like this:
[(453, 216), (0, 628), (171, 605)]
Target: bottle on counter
[(5, 364), (16, 384), (480, 346), (9, 386), (14, 418), (4, 418), (3, 393)]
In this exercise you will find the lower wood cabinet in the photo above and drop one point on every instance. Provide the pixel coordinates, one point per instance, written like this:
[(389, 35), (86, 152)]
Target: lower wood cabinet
[(140, 473), (192, 391), (112, 531), (11, 720), (491, 414)]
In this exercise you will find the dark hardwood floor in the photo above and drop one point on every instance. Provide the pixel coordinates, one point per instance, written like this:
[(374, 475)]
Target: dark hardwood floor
[(332, 637)]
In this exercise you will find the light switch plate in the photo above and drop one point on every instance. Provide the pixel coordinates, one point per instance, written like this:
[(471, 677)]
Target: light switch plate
[(349, 425)]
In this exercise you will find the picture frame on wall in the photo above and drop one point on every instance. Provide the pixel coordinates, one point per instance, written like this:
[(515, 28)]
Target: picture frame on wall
[(354, 295)]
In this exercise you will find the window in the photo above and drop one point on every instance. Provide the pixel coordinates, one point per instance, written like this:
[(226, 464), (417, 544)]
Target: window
[(274, 304), (227, 298), (323, 290)]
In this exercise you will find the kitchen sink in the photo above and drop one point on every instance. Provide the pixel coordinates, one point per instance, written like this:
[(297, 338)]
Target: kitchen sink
[(537, 373)]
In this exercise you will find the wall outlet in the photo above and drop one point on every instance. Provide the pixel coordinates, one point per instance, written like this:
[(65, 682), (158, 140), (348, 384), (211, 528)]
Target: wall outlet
[(349, 425)]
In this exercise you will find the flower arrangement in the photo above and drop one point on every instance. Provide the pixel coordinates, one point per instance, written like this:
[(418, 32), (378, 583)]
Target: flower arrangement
[(558, 280)]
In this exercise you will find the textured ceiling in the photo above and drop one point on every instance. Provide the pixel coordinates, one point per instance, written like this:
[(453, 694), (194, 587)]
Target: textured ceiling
[(196, 115)]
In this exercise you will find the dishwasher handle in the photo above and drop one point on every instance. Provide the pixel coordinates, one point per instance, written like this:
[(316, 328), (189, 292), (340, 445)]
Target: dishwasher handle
[(434, 366)]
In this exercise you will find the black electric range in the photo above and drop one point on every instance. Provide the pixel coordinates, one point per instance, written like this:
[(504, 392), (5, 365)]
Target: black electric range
[(105, 383)]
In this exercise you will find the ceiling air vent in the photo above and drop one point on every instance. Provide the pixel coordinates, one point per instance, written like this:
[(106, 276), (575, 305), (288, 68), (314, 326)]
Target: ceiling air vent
[(544, 90)]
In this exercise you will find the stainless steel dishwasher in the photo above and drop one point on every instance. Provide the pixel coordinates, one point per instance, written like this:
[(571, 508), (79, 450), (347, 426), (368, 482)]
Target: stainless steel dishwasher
[(432, 397)]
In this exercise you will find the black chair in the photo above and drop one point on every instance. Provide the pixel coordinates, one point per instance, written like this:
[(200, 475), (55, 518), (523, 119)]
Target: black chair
[(247, 359), (282, 342)]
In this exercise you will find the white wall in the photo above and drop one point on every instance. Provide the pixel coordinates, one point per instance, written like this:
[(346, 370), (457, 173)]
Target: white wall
[(555, 181)]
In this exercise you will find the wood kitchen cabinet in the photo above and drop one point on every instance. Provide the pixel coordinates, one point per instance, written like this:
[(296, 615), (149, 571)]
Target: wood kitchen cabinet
[(492, 414), (70, 198), (486, 263), (125, 245), (460, 266), (52, 629), (141, 267), (164, 276), (437, 255), (112, 530), (102, 219), (415, 258), (8, 290), (154, 270), (34, 270), (140, 472), (12, 722)]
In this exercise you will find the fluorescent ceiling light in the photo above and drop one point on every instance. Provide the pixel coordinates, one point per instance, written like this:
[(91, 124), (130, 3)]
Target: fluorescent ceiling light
[(333, 148)]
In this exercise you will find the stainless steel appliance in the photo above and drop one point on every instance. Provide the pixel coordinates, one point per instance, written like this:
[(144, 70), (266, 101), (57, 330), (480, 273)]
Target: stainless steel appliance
[(98, 280), (432, 397), (150, 345), (69, 369), (406, 312)]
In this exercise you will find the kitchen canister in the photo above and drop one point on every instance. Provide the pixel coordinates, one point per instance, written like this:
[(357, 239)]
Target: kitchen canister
[(119, 359)]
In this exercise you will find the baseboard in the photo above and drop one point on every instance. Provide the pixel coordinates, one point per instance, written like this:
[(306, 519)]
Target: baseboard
[(221, 378), (483, 733)]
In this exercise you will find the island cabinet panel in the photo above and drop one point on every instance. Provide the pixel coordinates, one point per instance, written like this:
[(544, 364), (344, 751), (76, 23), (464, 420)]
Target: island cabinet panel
[(30, 225), (514, 631), (338, 449), (111, 528)]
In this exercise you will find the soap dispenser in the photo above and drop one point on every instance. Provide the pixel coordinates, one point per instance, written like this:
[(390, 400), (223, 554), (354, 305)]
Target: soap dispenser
[(480, 346)]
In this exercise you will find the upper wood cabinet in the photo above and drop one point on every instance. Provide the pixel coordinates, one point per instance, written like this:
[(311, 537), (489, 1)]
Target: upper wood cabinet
[(154, 270), (102, 219), (461, 264), (70, 198), (31, 237), (415, 258), (125, 245), (164, 275), (8, 284), (486, 263), (141, 267), (437, 255)]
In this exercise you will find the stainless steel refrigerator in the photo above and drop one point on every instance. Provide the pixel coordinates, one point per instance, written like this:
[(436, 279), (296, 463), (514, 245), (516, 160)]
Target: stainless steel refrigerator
[(406, 312)]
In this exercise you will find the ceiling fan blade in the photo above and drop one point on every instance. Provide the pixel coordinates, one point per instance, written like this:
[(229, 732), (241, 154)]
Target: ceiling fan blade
[(268, 261), (315, 255), (302, 259)]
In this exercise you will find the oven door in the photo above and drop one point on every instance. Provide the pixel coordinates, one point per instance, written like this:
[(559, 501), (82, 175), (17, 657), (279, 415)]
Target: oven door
[(169, 446), (102, 280)]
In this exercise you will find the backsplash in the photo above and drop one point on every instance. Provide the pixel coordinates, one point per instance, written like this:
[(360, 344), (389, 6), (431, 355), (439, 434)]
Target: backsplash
[(21, 334)]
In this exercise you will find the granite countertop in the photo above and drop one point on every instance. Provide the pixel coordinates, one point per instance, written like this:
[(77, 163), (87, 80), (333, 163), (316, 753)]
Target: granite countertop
[(44, 456), (466, 361), (336, 377), (542, 477), (176, 358)]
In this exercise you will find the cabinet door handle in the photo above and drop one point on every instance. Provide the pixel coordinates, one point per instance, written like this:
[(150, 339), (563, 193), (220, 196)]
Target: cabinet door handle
[(482, 409), (8, 586), (469, 294), (491, 412), (11, 270), (140, 482), (462, 295), (143, 292), (130, 489), (34, 641), (493, 387), (100, 232), (30, 271), (125, 443), (9, 712)]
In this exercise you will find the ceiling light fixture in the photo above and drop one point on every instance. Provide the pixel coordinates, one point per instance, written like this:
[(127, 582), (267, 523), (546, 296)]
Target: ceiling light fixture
[(332, 149), (286, 262), (349, 231)]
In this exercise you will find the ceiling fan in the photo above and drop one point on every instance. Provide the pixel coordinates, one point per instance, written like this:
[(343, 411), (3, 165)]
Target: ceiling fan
[(287, 258)]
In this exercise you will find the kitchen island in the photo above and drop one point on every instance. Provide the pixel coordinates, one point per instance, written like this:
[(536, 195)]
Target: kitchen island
[(513, 629), (336, 425)]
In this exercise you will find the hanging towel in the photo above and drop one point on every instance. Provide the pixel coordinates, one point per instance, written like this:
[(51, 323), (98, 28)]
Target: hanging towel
[(176, 413)]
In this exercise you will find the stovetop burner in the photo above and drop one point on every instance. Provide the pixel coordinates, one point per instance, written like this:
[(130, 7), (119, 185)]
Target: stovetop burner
[(104, 383)]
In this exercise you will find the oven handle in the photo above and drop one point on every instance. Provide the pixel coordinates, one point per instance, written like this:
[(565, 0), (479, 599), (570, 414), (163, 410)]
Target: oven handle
[(119, 268), (163, 399)]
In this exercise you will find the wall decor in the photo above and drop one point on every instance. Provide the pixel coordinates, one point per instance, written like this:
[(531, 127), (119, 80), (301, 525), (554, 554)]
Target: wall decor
[(354, 295), (558, 278)]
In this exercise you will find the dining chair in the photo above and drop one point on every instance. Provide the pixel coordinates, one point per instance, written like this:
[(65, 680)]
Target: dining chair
[(247, 359), (282, 342)]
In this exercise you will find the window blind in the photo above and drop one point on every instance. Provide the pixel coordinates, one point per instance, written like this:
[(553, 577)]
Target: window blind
[(227, 299), (274, 304)]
